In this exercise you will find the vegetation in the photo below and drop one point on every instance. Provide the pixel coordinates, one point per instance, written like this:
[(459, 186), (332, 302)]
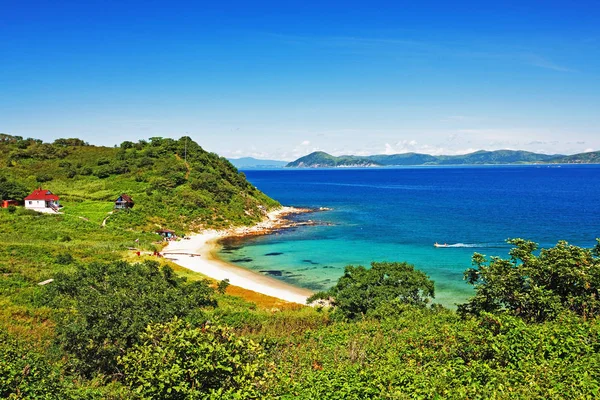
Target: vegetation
[(108, 305), (537, 288), (174, 183), (320, 159), (178, 361), (115, 325), (592, 157), (361, 291)]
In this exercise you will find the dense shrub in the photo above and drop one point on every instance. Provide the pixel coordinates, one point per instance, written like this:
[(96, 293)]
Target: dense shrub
[(113, 303), (43, 178), (12, 190), (361, 290), (64, 259), (177, 361), (25, 373), (536, 288)]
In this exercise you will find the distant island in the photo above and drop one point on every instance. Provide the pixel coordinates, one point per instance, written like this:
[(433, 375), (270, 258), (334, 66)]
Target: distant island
[(320, 159), (255, 163)]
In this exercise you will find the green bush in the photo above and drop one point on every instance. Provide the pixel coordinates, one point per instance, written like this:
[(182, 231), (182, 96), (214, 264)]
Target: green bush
[(177, 361), (41, 178), (361, 290), (25, 373), (113, 303), (64, 259), (536, 288)]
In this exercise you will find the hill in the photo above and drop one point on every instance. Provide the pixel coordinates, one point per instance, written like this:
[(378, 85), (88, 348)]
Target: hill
[(581, 158), (320, 159), (205, 191), (323, 160), (255, 163)]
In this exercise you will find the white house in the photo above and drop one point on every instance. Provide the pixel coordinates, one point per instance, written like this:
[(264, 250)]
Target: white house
[(42, 200)]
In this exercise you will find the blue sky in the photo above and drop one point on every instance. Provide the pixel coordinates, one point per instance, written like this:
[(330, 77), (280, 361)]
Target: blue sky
[(274, 80)]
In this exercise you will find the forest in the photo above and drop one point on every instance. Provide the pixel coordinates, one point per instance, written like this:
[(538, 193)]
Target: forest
[(112, 325)]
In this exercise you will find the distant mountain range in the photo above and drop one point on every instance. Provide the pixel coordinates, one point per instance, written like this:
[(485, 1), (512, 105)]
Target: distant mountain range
[(254, 163), (321, 159)]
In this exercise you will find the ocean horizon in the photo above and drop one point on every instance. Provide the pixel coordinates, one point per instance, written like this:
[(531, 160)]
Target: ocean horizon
[(397, 214)]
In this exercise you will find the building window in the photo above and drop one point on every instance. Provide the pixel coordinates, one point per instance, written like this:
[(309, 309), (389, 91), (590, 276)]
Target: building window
[(30, 202)]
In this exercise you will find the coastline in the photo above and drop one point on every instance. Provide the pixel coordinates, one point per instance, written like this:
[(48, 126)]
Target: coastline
[(199, 254)]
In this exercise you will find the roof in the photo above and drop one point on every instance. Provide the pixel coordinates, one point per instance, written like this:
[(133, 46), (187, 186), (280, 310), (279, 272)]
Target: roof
[(165, 231), (42, 194), (125, 198)]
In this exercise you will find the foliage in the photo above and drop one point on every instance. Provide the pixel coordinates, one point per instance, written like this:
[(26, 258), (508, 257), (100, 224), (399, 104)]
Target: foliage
[(536, 288), (178, 361), (112, 303), (592, 157), (361, 290), (432, 353), (10, 190), (205, 191), (25, 373)]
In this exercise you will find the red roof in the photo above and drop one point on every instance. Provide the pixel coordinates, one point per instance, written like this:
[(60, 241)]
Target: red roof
[(42, 194)]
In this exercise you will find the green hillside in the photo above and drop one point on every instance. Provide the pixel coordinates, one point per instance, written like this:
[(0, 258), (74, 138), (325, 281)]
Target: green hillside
[(207, 191), (592, 157), (322, 159), (403, 159)]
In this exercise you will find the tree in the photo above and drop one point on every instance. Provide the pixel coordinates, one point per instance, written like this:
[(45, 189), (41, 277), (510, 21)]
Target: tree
[(536, 288), (109, 305), (10, 190), (361, 290), (177, 361), (70, 142)]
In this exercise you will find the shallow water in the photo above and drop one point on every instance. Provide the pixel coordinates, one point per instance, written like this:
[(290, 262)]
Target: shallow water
[(397, 215)]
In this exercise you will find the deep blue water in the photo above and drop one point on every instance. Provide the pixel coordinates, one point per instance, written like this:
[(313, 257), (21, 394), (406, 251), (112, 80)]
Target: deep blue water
[(397, 215)]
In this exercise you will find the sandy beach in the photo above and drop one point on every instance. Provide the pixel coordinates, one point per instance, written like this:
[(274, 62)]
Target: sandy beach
[(199, 254)]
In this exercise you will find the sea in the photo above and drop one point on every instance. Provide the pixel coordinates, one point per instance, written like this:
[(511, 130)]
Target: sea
[(397, 214)]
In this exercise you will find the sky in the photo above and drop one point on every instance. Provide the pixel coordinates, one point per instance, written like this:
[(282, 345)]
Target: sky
[(278, 80)]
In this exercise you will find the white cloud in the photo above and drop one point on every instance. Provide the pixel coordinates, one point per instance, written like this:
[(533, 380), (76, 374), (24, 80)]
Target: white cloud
[(305, 143)]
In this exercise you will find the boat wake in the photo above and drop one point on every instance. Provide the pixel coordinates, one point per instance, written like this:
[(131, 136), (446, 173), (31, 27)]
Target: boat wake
[(472, 245)]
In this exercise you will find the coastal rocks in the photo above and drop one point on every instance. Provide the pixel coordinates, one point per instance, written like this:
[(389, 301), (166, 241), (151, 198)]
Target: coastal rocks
[(242, 260), (275, 221), (272, 272)]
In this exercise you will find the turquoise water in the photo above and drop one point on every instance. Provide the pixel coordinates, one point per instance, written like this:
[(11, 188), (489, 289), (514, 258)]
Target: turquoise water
[(397, 215)]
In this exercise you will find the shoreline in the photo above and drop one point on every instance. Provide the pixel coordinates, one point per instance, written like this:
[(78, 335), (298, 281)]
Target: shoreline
[(199, 254)]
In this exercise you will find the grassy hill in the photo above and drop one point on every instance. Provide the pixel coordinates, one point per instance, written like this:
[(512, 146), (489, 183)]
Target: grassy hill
[(321, 159), (592, 157), (205, 191)]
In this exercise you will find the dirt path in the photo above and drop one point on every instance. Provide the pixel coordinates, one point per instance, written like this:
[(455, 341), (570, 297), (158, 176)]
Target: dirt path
[(104, 221)]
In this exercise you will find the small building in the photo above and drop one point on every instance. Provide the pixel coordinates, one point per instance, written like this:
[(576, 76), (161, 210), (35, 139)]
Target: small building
[(42, 200), (8, 203), (124, 201), (167, 233)]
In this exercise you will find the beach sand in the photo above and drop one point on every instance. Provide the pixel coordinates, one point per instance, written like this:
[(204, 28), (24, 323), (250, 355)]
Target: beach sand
[(199, 254)]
